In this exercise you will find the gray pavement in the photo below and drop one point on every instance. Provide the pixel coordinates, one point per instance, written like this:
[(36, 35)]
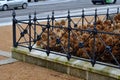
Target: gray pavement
[(4, 53), (8, 60), (44, 8), (48, 2)]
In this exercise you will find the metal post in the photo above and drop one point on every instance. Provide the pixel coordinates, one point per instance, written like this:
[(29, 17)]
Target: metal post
[(107, 15), (95, 18), (69, 30), (53, 18), (48, 34), (35, 19), (93, 58), (83, 17), (30, 23), (14, 21), (118, 10)]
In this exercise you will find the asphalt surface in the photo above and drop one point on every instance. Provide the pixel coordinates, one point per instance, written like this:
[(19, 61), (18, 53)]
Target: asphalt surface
[(44, 8), (41, 7)]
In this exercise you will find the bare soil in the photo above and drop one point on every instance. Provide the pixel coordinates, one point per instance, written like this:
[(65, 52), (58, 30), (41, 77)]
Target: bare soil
[(25, 71), (21, 70), (5, 38)]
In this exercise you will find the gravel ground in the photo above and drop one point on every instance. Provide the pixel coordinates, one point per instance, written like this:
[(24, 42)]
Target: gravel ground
[(24, 71), (6, 38)]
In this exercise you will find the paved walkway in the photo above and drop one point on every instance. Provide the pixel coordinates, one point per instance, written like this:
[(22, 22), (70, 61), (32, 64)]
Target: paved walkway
[(8, 60), (6, 54)]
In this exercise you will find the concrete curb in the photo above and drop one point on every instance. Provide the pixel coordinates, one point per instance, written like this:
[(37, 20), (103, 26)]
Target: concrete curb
[(74, 67)]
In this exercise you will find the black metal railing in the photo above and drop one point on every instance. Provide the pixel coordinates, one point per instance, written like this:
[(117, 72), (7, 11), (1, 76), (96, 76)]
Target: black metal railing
[(93, 37)]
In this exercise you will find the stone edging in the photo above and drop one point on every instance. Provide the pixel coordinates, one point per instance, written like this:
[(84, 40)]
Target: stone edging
[(73, 67)]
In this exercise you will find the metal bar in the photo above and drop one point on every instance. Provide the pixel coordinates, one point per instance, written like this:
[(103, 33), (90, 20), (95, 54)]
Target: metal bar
[(35, 19), (14, 21), (107, 15), (69, 31), (118, 10), (30, 47), (53, 18), (48, 29), (83, 17)]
